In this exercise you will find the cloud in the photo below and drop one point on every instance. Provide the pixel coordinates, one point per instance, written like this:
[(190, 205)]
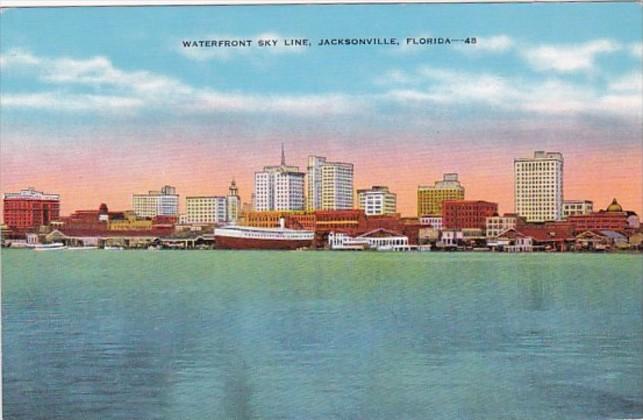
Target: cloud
[(396, 77), (621, 97), (568, 58), (70, 102), (454, 86), (18, 57), (632, 82), (116, 90), (223, 53), (636, 49), (99, 72), (303, 105), (96, 85)]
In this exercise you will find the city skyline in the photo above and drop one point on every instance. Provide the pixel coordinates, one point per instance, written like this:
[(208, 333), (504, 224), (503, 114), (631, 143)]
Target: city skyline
[(504, 207), (182, 208), (99, 116)]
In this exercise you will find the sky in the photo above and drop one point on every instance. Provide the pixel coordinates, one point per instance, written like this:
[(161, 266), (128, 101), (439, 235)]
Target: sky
[(99, 103)]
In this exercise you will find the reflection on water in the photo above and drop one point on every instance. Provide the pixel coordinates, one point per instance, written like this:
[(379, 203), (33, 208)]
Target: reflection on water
[(196, 335)]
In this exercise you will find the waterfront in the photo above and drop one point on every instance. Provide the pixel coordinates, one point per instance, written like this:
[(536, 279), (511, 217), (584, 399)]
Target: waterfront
[(228, 334)]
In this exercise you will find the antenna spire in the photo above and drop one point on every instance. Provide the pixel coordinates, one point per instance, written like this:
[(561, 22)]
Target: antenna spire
[(283, 155)]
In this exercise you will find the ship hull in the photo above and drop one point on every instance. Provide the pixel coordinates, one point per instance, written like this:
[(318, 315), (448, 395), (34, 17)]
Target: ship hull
[(227, 242)]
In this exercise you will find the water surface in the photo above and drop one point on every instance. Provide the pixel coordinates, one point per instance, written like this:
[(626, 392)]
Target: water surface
[(317, 335)]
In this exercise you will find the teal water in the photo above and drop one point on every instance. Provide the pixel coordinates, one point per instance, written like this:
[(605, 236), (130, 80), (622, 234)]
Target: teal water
[(318, 335)]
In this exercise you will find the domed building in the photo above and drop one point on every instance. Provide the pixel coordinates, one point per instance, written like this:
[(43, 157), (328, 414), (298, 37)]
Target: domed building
[(614, 207), (612, 218)]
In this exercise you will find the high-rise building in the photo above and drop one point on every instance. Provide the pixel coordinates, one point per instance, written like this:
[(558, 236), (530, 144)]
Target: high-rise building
[(337, 186), (29, 209), (233, 203), (329, 184), (377, 200), (576, 207), (157, 203), (314, 183), (279, 187), (538, 187), (430, 198), (206, 209)]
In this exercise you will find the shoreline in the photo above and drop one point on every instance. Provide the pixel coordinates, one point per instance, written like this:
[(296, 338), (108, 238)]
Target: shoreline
[(611, 252)]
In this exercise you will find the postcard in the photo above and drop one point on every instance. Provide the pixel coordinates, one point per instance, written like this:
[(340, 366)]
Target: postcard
[(314, 211)]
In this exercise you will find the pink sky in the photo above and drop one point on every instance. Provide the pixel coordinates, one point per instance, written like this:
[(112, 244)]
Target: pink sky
[(88, 176)]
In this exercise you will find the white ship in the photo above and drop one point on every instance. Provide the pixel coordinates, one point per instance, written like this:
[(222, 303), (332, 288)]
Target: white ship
[(245, 237)]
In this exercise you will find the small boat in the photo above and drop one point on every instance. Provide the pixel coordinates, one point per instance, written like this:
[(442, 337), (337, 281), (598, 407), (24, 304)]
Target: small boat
[(114, 248), (481, 249), (81, 248), (56, 246)]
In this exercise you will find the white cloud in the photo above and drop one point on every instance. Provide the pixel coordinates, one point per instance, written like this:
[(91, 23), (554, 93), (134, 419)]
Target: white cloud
[(556, 97), (632, 82), (395, 77), (96, 85), (636, 49), (131, 91), (304, 105), (466, 87), (18, 57), (71, 102), (550, 96), (411, 95), (569, 58)]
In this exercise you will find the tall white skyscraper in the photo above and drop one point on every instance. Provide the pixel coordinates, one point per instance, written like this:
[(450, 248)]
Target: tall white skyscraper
[(314, 182), (329, 184), (279, 187), (157, 203), (538, 186)]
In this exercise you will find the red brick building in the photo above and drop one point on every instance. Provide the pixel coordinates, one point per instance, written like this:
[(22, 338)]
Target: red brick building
[(467, 214), (29, 209), (101, 222), (270, 219), (164, 220), (613, 218), (351, 222), (87, 220), (559, 236)]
